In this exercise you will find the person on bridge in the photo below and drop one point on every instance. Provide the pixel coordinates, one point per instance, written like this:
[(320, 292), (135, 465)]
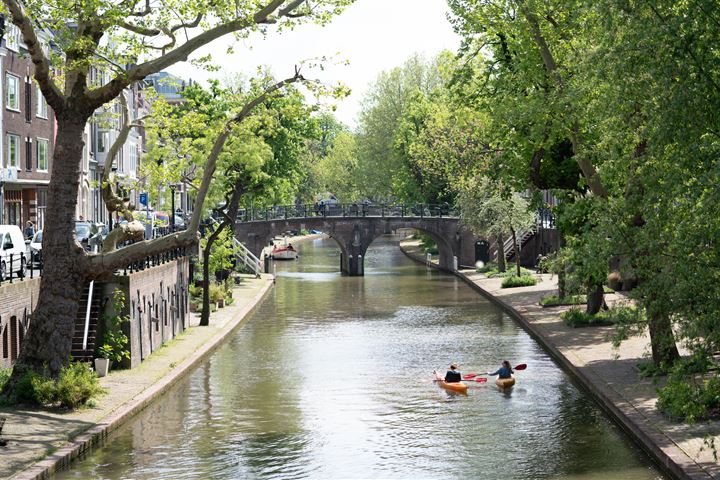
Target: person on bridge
[(505, 371), (452, 375)]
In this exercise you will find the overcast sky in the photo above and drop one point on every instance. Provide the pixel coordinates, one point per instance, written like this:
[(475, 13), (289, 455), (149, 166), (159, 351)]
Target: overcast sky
[(374, 35)]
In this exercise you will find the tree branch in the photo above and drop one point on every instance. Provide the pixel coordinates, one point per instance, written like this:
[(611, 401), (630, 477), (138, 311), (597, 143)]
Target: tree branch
[(111, 261), (106, 93)]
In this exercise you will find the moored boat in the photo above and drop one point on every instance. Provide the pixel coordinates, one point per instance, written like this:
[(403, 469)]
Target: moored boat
[(453, 386), (505, 382), (284, 253)]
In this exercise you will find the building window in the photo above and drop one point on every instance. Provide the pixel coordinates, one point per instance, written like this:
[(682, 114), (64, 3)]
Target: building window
[(42, 106), (13, 37), (28, 153), (12, 98), (42, 154), (41, 206), (13, 150), (103, 138), (28, 100)]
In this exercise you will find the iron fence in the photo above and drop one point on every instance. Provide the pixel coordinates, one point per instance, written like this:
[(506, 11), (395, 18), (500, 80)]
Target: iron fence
[(348, 210)]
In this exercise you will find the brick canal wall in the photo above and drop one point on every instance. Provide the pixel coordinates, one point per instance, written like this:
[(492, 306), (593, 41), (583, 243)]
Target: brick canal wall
[(17, 301), (156, 304)]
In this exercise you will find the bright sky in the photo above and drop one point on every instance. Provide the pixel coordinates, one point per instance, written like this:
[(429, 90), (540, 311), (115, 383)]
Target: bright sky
[(374, 35)]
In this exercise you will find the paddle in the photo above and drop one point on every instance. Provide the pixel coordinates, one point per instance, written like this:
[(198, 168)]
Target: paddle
[(472, 376)]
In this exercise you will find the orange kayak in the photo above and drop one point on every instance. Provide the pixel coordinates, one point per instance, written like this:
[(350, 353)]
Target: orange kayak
[(453, 386), (505, 382)]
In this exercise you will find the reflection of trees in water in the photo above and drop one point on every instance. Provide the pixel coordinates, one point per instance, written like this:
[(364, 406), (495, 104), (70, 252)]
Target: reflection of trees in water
[(582, 440)]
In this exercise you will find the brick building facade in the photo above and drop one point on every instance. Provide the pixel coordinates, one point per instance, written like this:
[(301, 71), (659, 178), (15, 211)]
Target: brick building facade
[(28, 131)]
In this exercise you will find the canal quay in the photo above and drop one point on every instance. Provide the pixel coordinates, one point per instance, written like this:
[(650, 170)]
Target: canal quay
[(330, 377)]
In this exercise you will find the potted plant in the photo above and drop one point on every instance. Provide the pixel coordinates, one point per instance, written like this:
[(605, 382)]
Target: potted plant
[(114, 342)]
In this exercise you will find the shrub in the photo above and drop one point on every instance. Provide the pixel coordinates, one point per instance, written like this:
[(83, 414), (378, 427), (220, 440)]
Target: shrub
[(689, 399), (217, 292), (576, 317), (554, 300), (196, 292), (514, 281), (76, 386), (4, 376)]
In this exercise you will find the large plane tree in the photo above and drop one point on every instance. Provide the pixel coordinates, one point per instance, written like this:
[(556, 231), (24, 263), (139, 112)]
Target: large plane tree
[(128, 40)]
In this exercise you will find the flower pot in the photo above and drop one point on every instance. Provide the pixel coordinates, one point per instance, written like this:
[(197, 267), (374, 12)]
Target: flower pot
[(193, 307), (221, 303), (102, 365)]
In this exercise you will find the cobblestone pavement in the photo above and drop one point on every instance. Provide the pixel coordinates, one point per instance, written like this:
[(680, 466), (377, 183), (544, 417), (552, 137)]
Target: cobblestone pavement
[(610, 374), (38, 440)]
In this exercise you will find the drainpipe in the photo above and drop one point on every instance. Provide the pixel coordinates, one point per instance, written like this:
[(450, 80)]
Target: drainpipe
[(3, 53)]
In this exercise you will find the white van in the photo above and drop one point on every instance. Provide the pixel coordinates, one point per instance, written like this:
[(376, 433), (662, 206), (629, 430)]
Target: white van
[(12, 243)]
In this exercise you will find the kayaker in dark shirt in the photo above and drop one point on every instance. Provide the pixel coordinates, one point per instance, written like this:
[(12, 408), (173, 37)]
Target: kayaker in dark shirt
[(505, 371), (453, 375)]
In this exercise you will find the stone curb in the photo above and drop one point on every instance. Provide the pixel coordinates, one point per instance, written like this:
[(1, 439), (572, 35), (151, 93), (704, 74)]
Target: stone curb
[(671, 459), (96, 434)]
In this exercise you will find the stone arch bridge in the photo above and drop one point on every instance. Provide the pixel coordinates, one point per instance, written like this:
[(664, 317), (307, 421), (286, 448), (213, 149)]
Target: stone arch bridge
[(355, 226)]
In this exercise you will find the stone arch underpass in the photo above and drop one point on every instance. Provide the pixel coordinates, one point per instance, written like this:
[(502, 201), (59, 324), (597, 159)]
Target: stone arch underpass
[(354, 236)]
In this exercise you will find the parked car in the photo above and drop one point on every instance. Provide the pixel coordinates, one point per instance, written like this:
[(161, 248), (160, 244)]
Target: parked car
[(82, 233), (36, 249), (14, 252)]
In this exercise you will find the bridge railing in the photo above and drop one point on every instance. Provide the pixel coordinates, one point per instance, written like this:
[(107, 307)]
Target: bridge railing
[(351, 210)]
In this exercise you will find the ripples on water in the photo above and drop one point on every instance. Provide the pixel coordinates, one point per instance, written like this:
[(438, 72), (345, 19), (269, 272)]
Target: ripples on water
[(331, 379)]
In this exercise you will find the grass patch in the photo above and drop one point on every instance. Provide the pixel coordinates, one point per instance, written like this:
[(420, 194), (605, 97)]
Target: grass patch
[(555, 301), (522, 281), (607, 289)]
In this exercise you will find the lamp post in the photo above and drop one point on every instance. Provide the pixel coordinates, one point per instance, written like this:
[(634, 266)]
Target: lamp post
[(172, 207)]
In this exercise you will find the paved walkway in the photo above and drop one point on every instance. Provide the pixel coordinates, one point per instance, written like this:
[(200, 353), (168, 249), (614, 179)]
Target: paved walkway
[(609, 374), (39, 441)]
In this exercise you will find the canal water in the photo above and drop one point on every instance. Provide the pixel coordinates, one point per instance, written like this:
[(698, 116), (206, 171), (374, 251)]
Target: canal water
[(331, 378)]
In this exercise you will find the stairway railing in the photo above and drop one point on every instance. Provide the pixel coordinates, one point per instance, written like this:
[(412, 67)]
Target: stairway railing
[(244, 254)]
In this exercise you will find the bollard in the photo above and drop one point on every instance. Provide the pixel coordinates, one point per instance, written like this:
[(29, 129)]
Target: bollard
[(429, 258), (455, 263), (360, 267), (266, 263), (274, 272)]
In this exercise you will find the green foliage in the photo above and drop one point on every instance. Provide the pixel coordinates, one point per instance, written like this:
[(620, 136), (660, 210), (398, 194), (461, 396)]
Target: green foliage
[(690, 399), (217, 292), (427, 244), (576, 317), (513, 281), (554, 300), (4, 376), (114, 342), (195, 292), (222, 252), (76, 386)]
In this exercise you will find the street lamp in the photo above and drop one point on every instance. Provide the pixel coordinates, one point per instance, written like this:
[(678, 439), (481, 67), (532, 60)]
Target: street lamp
[(172, 207)]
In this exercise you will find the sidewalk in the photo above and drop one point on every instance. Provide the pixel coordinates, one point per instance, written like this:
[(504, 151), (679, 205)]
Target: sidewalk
[(39, 441), (609, 374)]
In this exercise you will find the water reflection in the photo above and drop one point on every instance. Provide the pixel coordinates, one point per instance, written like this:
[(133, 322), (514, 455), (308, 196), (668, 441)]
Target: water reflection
[(331, 379)]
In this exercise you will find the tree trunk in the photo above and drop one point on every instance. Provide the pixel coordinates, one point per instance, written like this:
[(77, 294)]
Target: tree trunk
[(501, 254), (516, 247), (49, 338), (662, 340), (595, 298), (232, 210)]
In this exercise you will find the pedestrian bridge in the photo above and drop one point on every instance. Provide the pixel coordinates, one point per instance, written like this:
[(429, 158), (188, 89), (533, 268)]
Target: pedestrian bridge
[(355, 226)]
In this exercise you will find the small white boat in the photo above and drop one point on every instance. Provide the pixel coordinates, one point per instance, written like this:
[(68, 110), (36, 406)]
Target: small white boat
[(284, 253)]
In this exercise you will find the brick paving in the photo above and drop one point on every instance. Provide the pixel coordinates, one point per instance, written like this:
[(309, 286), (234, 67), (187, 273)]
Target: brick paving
[(40, 441), (609, 374)]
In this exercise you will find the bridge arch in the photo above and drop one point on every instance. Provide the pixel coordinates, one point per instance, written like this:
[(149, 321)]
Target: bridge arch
[(355, 234)]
